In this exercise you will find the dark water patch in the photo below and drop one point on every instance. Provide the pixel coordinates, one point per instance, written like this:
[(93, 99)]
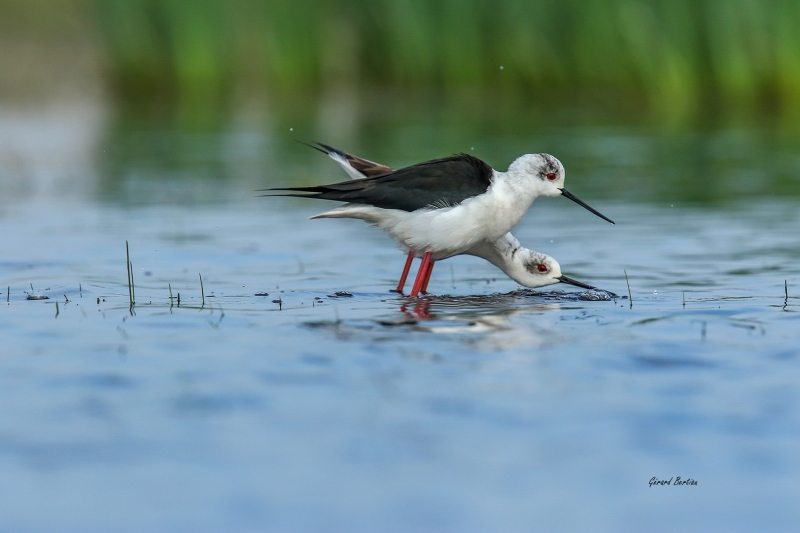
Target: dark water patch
[(20, 265), (109, 381), (306, 379), (184, 238), (650, 320), (741, 272), (96, 407), (399, 322), (749, 327), (450, 406), (684, 283), (191, 403), (317, 360), (48, 454), (671, 362), (785, 355), (725, 298)]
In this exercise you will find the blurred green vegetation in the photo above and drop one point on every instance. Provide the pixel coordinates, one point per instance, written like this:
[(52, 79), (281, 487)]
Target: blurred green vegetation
[(621, 90), (674, 57), (671, 58)]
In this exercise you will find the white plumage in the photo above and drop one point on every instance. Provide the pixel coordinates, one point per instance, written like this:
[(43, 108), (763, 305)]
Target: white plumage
[(454, 230), (478, 226)]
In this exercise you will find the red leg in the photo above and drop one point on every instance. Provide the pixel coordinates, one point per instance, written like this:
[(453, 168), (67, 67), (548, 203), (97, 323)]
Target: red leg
[(403, 278), (424, 288), (423, 269)]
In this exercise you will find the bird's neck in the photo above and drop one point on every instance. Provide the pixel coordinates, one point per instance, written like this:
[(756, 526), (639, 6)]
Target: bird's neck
[(513, 195), (502, 254)]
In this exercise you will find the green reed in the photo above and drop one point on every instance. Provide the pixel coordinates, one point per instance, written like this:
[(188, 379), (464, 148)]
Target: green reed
[(677, 55)]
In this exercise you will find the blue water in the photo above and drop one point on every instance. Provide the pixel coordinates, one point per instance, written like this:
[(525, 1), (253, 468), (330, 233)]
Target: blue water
[(484, 412), (482, 408)]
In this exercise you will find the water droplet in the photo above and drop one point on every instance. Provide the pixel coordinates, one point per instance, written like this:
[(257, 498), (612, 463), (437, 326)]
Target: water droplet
[(551, 241), (472, 148), (291, 129), (501, 67)]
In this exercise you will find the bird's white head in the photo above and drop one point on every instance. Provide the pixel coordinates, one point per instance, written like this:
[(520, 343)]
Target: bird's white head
[(543, 175), (533, 269), (542, 172)]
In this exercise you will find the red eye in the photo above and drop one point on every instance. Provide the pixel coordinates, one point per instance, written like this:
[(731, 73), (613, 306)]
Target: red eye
[(542, 268), (551, 177)]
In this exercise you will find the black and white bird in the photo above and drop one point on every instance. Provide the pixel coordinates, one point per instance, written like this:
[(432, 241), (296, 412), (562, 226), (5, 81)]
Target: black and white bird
[(450, 206)]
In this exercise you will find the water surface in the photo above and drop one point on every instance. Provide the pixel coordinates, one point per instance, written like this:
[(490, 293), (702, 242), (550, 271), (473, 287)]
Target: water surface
[(482, 408)]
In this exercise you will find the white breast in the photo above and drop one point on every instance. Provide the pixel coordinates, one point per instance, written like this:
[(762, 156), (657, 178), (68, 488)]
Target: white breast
[(454, 230)]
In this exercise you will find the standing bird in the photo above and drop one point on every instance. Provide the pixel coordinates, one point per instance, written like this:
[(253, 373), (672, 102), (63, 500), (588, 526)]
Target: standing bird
[(446, 207)]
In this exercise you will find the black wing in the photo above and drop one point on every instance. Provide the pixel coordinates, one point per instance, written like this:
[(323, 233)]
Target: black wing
[(438, 183)]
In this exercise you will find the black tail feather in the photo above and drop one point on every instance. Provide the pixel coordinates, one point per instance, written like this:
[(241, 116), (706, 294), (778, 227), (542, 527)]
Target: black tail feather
[(312, 146), (294, 195), (297, 189), (323, 148), (331, 149)]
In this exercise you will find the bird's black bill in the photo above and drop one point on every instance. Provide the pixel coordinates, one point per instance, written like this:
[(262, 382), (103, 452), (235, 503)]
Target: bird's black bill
[(567, 194), (565, 279)]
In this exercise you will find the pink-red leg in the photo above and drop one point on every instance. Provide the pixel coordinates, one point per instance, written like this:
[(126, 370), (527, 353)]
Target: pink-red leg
[(423, 270), (403, 278), (424, 288)]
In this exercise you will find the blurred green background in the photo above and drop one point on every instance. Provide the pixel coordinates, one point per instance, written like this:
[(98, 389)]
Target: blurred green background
[(671, 57), (705, 85)]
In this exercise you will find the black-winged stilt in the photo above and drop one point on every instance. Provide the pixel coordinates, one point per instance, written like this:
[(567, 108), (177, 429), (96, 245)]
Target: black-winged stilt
[(450, 206)]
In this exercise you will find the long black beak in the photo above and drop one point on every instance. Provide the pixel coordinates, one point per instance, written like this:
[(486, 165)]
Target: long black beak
[(567, 194), (565, 279)]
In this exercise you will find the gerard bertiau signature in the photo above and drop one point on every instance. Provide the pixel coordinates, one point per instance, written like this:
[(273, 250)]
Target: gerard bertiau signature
[(673, 481)]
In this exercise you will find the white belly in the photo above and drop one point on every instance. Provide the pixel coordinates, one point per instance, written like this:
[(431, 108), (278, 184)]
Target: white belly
[(448, 231), (453, 230)]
